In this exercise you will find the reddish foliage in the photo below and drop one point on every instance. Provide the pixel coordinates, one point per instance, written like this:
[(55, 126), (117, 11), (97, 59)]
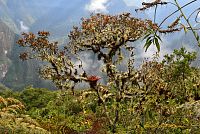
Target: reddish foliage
[(93, 78), (93, 81)]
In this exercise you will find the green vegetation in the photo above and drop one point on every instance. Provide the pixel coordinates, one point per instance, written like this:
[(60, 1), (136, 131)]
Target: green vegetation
[(159, 97), (163, 98)]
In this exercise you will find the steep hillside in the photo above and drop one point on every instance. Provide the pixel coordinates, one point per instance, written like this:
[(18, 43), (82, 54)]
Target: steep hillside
[(14, 73), (7, 38)]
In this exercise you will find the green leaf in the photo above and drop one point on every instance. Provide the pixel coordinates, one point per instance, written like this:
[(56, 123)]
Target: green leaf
[(185, 120), (147, 44), (147, 36), (184, 27), (150, 114), (197, 37), (158, 37), (157, 44)]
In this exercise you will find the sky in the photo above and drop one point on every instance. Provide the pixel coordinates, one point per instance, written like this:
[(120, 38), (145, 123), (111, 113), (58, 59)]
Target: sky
[(102, 6), (137, 3), (97, 6)]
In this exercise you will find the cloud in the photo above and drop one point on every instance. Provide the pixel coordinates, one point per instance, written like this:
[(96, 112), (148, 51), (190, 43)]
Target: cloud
[(97, 6), (23, 28), (133, 2)]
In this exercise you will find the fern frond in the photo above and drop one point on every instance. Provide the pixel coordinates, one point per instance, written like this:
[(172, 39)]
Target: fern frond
[(9, 109), (16, 107), (13, 101), (3, 101)]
